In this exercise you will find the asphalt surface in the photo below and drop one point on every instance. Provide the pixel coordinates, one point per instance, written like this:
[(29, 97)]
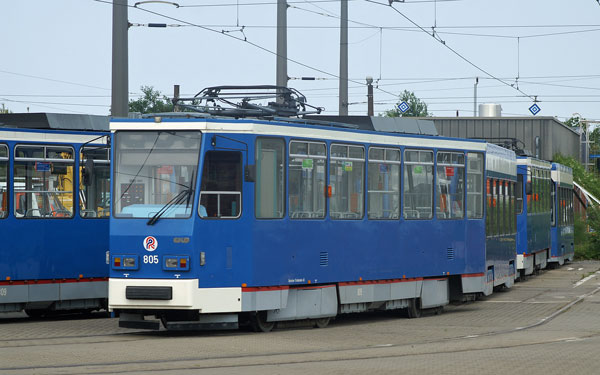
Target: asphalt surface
[(547, 324)]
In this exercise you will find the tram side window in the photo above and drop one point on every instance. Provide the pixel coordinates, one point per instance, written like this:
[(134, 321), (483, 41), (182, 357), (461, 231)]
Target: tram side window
[(513, 205), (221, 188), (346, 177), (547, 205), (474, 185), (559, 206), (534, 187), (384, 183), (94, 182), (488, 217), (306, 181), (552, 206), (270, 186), (565, 204), (418, 184), (505, 208), (544, 197), (571, 214), (494, 208), (519, 194), (450, 185), (43, 181), (3, 181)]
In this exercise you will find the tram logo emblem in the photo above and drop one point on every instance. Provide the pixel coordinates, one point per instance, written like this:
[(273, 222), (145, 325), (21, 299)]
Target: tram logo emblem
[(150, 243)]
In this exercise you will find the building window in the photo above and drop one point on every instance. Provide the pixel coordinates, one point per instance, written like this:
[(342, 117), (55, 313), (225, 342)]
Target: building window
[(346, 178), (384, 183), (418, 184), (307, 161), (270, 186)]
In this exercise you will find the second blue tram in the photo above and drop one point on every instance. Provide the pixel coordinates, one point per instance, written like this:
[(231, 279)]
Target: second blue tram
[(501, 220), (533, 214), (562, 215), (53, 220), (217, 221)]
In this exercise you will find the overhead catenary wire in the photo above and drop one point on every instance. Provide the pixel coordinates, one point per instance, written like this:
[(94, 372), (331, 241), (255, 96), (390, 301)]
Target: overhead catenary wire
[(453, 50), (263, 3), (245, 40)]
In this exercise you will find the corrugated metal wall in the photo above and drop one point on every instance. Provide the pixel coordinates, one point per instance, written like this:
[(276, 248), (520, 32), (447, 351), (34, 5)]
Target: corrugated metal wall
[(554, 136)]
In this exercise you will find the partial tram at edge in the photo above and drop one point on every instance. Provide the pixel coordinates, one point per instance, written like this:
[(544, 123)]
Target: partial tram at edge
[(53, 220)]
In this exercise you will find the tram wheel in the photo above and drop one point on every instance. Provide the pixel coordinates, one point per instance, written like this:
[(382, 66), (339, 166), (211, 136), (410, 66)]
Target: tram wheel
[(322, 322), (258, 322), (413, 311)]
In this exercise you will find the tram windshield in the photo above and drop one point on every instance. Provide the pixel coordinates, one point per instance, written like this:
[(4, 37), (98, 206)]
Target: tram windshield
[(151, 170)]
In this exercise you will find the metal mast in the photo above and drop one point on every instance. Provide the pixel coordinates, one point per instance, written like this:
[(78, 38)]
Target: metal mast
[(343, 111), (120, 79), (281, 74)]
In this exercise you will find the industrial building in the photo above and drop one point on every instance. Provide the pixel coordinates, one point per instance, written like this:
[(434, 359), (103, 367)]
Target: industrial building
[(542, 137)]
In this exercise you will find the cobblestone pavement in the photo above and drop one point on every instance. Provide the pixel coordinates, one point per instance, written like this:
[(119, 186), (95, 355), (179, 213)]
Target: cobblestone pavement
[(547, 324)]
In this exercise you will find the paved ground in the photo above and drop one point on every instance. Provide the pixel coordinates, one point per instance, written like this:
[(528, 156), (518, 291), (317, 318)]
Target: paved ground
[(548, 324)]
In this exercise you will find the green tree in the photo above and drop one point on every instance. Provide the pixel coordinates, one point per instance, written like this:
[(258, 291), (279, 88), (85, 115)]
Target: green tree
[(417, 107), (3, 109), (151, 102)]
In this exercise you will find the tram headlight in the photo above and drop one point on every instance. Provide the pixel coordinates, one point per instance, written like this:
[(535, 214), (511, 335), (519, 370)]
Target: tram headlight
[(176, 263), (125, 262), (171, 262), (129, 262)]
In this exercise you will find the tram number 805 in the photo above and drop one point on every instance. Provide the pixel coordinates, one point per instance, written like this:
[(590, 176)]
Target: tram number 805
[(152, 259)]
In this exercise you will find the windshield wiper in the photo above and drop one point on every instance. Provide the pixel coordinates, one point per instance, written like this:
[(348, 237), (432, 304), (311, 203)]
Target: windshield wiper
[(183, 195)]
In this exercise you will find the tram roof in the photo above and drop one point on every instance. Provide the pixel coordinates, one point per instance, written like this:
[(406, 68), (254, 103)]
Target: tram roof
[(294, 128), (54, 121)]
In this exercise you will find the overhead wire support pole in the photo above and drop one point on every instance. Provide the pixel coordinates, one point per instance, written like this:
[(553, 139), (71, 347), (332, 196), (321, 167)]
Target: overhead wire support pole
[(475, 97), (281, 73), (120, 76), (343, 106)]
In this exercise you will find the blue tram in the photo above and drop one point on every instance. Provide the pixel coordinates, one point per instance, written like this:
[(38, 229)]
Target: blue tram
[(217, 221), (562, 215), (533, 214), (53, 220)]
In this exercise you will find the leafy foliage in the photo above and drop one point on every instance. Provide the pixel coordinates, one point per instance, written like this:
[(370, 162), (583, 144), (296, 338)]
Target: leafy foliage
[(417, 107), (4, 110), (151, 102), (590, 181)]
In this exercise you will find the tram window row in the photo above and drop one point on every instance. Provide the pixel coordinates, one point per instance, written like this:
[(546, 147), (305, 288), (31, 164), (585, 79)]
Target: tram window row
[(44, 184), (565, 208), (357, 181), (539, 201), (502, 205)]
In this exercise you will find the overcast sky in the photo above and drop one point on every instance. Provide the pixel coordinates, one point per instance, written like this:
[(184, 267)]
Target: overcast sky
[(56, 55)]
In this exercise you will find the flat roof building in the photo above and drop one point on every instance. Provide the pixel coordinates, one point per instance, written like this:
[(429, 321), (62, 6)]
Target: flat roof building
[(542, 137)]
